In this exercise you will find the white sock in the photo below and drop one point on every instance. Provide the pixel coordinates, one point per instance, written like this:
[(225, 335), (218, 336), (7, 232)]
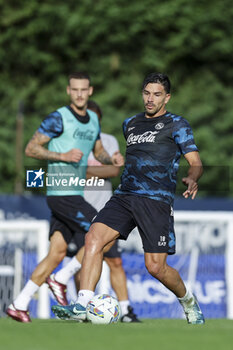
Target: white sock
[(84, 296), (63, 275), (23, 299), (124, 307), (187, 300)]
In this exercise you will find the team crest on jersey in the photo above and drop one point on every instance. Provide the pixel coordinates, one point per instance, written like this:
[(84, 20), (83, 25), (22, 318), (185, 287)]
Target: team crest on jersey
[(159, 126)]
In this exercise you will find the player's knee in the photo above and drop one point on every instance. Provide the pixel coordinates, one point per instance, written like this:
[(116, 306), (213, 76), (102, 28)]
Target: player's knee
[(89, 240), (60, 256), (57, 255), (58, 247), (114, 263), (93, 242), (154, 268)]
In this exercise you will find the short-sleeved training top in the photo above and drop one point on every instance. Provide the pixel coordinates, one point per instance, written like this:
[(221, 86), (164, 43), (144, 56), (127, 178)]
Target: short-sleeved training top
[(154, 148)]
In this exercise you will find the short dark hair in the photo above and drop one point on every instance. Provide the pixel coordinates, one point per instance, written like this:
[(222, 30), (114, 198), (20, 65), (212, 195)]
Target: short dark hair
[(79, 75), (159, 78), (93, 106)]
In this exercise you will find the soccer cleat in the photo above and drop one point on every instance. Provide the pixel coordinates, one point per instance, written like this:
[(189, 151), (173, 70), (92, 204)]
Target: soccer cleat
[(130, 316), (58, 290), (75, 312), (18, 315), (193, 312)]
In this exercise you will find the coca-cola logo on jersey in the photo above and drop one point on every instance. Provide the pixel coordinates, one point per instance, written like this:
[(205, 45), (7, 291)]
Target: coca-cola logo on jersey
[(148, 136), (83, 135)]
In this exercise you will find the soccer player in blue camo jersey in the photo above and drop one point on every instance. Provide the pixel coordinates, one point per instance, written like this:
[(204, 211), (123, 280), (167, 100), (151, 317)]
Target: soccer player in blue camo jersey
[(155, 139), (71, 133)]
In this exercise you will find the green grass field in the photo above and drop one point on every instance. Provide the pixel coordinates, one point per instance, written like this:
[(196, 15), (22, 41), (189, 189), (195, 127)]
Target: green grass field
[(162, 334)]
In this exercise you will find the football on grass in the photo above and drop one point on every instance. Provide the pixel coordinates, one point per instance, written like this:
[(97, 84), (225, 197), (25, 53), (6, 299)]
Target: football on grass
[(103, 309)]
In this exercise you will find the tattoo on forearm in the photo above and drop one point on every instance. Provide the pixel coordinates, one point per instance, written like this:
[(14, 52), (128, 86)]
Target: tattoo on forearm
[(104, 158), (36, 149), (40, 152)]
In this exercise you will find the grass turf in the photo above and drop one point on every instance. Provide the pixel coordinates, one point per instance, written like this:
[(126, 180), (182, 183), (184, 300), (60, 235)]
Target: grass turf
[(162, 334)]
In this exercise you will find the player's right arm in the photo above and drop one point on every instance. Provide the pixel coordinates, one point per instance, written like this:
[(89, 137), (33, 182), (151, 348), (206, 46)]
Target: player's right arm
[(52, 126), (35, 149)]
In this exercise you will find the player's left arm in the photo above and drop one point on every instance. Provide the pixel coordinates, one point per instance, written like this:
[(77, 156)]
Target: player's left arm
[(194, 173), (103, 157)]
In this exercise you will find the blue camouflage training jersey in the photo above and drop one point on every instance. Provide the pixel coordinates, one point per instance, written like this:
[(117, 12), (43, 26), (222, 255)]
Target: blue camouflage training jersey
[(154, 148)]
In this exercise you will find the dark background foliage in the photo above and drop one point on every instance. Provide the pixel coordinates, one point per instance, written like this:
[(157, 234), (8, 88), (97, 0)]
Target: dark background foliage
[(119, 42)]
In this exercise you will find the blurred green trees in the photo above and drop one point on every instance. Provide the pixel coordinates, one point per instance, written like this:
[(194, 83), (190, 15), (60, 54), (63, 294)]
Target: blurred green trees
[(119, 42)]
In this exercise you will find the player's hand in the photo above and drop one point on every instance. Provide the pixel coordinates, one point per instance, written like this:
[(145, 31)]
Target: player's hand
[(72, 156), (118, 159), (192, 187)]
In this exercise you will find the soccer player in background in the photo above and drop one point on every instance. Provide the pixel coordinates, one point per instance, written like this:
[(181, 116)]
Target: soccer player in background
[(155, 139), (71, 133)]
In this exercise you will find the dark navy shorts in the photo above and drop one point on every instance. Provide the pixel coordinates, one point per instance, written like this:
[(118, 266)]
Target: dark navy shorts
[(153, 218), (72, 216)]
